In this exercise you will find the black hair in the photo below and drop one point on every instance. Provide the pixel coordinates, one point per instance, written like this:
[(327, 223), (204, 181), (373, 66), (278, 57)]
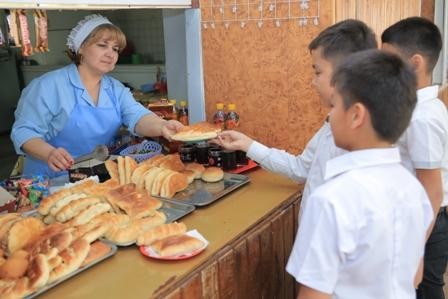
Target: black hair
[(384, 84), (415, 35), (343, 38)]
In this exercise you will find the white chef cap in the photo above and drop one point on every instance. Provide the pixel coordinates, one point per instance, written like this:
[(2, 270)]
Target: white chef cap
[(83, 29)]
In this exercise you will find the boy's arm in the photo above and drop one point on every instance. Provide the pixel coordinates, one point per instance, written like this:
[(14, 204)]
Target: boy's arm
[(309, 293), (431, 179)]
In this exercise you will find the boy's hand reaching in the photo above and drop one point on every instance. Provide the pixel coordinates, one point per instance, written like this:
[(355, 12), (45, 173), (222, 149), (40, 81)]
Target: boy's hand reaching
[(233, 140)]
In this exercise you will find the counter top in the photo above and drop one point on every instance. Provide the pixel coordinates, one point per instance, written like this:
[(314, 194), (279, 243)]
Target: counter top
[(129, 274)]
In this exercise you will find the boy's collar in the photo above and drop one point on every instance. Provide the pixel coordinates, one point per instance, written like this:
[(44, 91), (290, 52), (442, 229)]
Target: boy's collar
[(427, 93), (361, 158)]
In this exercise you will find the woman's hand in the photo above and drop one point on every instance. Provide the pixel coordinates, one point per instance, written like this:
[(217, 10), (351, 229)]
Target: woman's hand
[(170, 127), (233, 140), (59, 159)]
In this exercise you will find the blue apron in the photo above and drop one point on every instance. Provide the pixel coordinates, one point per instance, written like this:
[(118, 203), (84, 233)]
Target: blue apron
[(86, 127)]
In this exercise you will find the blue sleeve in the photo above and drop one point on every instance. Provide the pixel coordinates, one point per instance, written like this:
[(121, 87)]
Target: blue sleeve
[(131, 110), (36, 113)]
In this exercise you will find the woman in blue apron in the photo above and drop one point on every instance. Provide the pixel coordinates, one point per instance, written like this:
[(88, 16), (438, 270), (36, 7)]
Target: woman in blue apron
[(66, 113)]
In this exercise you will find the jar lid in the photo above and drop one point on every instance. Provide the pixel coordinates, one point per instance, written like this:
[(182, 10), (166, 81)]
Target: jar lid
[(220, 106), (231, 106), (183, 103)]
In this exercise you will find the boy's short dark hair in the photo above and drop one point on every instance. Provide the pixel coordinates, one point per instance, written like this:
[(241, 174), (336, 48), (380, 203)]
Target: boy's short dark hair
[(384, 84), (343, 38), (415, 35)]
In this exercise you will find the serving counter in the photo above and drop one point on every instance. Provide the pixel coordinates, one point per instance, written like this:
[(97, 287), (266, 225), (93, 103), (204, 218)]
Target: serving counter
[(251, 232)]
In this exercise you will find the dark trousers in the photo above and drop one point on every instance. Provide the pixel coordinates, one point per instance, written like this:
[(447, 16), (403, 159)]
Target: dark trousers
[(436, 257)]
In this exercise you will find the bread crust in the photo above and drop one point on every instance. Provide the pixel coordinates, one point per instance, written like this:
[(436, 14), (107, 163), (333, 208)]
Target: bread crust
[(176, 245), (161, 232)]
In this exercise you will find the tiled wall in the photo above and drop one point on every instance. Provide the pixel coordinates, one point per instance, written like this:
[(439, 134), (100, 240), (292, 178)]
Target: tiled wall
[(144, 28)]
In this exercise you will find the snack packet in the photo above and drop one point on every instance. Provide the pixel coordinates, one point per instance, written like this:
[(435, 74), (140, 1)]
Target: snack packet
[(13, 28), (27, 49), (41, 26)]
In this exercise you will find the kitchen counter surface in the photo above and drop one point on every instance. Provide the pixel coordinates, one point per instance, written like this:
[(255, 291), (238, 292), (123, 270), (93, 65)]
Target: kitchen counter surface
[(129, 274)]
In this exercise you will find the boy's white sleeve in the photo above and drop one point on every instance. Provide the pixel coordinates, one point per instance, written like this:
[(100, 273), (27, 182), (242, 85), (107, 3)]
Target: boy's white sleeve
[(426, 140), (295, 167), (316, 257)]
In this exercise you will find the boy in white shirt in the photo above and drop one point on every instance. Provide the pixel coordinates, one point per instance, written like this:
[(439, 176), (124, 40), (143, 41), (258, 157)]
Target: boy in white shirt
[(327, 49), (424, 145), (362, 233)]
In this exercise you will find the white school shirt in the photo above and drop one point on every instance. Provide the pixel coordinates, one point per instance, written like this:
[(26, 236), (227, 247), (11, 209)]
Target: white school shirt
[(362, 233), (309, 166), (424, 144)]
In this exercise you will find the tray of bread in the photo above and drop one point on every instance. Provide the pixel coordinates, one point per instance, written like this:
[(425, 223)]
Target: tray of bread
[(167, 177), (118, 213), (35, 257)]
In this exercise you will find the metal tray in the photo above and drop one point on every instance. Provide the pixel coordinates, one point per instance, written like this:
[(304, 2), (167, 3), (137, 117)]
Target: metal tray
[(113, 250), (200, 193), (175, 210)]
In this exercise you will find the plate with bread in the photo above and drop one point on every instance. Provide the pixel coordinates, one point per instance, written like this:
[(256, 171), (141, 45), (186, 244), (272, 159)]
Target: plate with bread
[(172, 242), (196, 133)]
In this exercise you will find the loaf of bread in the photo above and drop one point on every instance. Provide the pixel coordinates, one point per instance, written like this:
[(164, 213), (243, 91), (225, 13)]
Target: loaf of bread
[(80, 186), (198, 131), (72, 259), (152, 160), (212, 174), (97, 232), (190, 174), (89, 213), (173, 183), (97, 250), (149, 178), (15, 266), (172, 162), (176, 245), (130, 165), (75, 207), (39, 271), (161, 232), (112, 169), (137, 175), (65, 201), (24, 232), (158, 181), (197, 168), (138, 205), (121, 170), (47, 203)]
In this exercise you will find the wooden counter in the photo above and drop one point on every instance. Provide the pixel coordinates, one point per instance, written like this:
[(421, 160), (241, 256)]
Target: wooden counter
[(251, 232)]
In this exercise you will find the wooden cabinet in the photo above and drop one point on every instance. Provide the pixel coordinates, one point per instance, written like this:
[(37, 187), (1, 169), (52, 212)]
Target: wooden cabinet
[(252, 266)]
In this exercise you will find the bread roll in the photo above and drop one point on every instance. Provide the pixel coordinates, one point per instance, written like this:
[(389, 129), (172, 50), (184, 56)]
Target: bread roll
[(75, 207), (158, 181), (121, 170), (173, 183), (81, 186), (149, 177), (38, 271), (89, 213), (176, 245), (14, 267), (72, 259), (153, 159), (137, 175), (65, 201), (190, 174), (172, 162), (47, 203), (99, 231), (24, 232), (112, 169), (212, 174), (97, 250), (138, 205), (130, 165), (197, 168), (161, 232)]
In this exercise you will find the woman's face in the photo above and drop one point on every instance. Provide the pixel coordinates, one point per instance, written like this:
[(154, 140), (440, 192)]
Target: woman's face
[(100, 56)]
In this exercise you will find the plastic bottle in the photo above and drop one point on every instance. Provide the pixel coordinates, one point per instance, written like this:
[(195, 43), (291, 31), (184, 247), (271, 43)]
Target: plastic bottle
[(182, 113), (174, 111), (219, 117), (232, 118)]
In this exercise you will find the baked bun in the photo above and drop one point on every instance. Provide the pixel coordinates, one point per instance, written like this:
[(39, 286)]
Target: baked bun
[(39, 271), (212, 174), (176, 245), (23, 232), (197, 168), (161, 232), (175, 182)]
